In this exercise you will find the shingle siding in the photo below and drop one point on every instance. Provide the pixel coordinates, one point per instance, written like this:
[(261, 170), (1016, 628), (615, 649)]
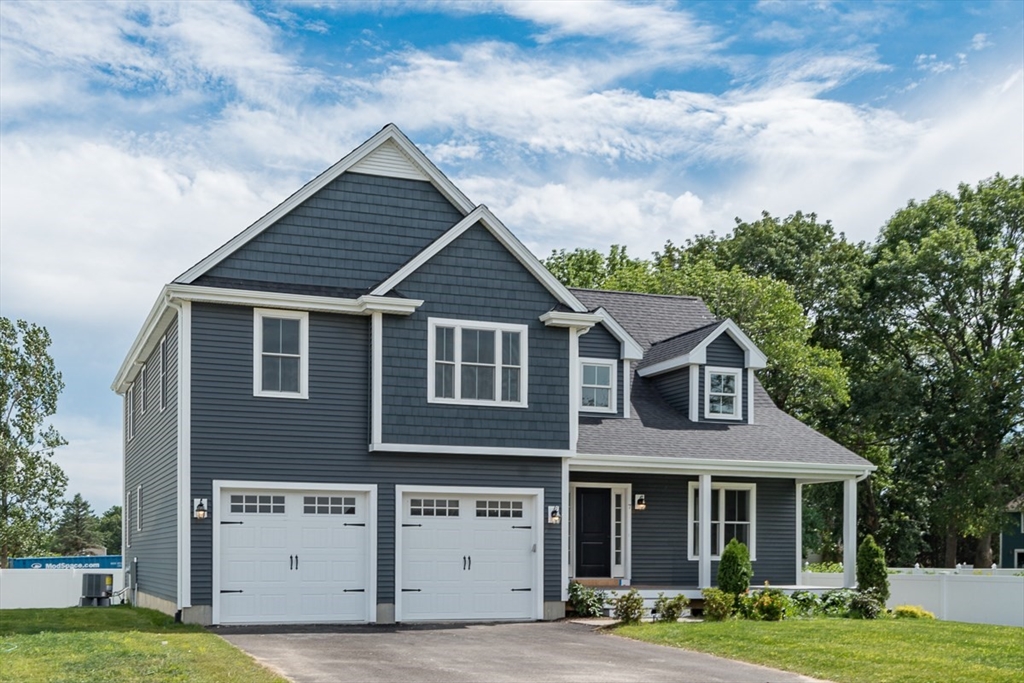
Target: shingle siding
[(475, 278), (352, 234), (725, 353), (151, 461), (660, 533), (236, 436), (599, 343)]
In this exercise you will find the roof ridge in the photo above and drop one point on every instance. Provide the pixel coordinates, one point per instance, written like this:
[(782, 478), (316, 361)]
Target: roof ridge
[(714, 323), (685, 297)]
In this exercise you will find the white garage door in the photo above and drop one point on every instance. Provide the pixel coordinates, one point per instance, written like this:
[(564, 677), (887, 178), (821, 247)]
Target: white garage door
[(468, 557), (293, 556)]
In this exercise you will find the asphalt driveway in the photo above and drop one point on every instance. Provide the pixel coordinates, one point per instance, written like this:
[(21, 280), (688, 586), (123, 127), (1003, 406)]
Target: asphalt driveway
[(491, 653)]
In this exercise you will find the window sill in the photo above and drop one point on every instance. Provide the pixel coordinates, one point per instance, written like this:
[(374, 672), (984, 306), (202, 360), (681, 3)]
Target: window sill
[(476, 402), (280, 394)]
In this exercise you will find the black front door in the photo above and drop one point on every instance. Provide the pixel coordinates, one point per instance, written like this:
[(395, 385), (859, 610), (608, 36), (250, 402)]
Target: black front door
[(593, 532)]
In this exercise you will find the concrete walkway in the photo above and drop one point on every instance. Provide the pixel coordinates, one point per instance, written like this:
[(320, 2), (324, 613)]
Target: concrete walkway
[(557, 652)]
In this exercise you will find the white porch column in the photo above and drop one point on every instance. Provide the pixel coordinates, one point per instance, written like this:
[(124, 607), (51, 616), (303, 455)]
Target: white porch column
[(799, 533), (704, 521), (849, 533)]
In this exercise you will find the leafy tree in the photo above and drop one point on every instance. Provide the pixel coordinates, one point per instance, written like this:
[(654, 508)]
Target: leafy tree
[(944, 318), (871, 572), (110, 530), (31, 483), (735, 569), (78, 528)]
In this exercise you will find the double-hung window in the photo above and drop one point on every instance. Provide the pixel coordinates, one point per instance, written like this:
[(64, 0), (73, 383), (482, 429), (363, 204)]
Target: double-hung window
[(723, 393), (733, 515), (476, 363), (597, 392), (280, 353)]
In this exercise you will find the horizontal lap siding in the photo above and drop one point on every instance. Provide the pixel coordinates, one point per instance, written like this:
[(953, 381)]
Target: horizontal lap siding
[(352, 234), (599, 343), (151, 461), (674, 387), (475, 278), (236, 436), (723, 352), (660, 533)]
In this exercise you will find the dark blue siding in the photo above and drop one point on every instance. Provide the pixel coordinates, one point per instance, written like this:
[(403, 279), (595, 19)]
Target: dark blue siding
[(323, 439), (475, 278), (674, 387), (350, 235), (660, 533), (151, 460), (1011, 540), (599, 343), (725, 353)]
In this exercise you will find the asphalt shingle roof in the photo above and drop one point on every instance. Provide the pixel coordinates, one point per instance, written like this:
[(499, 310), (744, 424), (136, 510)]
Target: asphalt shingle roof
[(656, 429)]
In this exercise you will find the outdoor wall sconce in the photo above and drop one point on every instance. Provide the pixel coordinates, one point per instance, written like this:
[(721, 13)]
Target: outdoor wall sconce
[(639, 502), (554, 514), (199, 508)]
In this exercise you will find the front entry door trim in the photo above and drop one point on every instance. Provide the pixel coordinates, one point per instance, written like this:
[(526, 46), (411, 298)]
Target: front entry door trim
[(623, 568)]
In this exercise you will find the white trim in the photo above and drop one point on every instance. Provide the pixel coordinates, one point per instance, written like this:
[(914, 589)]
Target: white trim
[(163, 372), (738, 396), (371, 525), (142, 389), (582, 321), (850, 533), (750, 396), (138, 507), (719, 486), (162, 312), (497, 329), (654, 465), (631, 349), (574, 386), (694, 393), (613, 379), (566, 497), (129, 399), (625, 570), (377, 370), (389, 132), (483, 216), (539, 525), (704, 563), (258, 314), (126, 522), (434, 449), (799, 532), (184, 507), (389, 161), (752, 356), (627, 377)]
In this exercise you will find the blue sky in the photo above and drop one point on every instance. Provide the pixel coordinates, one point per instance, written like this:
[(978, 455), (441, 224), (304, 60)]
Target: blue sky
[(137, 137)]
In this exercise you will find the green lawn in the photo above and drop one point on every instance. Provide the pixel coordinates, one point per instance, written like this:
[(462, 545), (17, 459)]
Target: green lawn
[(116, 644), (856, 651)]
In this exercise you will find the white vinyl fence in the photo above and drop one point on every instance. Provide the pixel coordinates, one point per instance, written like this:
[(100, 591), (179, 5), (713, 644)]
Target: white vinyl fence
[(983, 596), (22, 588)]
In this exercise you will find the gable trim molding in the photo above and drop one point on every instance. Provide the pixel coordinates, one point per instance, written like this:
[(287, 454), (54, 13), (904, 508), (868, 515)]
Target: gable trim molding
[(631, 349), (388, 133), (483, 216), (753, 357)]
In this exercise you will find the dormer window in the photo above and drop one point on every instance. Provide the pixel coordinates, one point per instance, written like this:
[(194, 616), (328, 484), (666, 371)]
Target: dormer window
[(597, 393), (723, 393)]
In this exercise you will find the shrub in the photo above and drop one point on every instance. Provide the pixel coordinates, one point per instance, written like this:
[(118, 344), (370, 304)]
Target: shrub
[(735, 570), (743, 607), (837, 603), (629, 608), (866, 605), (717, 604), (670, 609), (586, 601), (804, 604), (769, 604), (912, 612), (825, 567), (871, 573)]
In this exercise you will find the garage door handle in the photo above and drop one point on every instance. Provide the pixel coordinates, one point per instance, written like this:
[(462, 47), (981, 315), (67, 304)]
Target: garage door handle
[(296, 561), (291, 560), (463, 563), (470, 562)]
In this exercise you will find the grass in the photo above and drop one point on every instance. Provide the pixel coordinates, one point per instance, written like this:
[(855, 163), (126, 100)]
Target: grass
[(856, 651), (117, 644)]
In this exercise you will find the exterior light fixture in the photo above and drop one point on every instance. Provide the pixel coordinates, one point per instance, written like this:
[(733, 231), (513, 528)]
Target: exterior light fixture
[(554, 514), (199, 508), (639, 502)]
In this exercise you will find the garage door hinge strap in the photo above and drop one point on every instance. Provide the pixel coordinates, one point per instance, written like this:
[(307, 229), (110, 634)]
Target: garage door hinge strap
[(522, 527), (412, 525), (351, 524), (232, 522), (354, 590), (519, 590), (412, 590), (231, 591)]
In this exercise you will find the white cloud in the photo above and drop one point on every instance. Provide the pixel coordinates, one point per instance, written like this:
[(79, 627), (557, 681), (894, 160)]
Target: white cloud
[(932, 63), (980, 41), (92, 460)]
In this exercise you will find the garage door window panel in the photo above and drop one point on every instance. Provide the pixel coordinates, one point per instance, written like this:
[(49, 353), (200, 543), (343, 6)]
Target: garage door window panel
[(328, 505), (510, 509), (433, 507), (257, 503)]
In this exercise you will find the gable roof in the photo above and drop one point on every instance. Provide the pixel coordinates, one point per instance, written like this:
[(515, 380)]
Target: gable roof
[(648, 318), (691, 348), (679, 345), (482, 215), (389, 152)]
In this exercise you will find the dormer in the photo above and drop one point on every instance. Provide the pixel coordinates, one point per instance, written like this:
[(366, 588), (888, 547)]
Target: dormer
[(707, 373)]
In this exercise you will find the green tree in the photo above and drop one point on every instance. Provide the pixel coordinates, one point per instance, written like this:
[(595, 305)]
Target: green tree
[(78, 528), (31, 483), (944, 322), (110, 530), (735, 569), (871, 572)]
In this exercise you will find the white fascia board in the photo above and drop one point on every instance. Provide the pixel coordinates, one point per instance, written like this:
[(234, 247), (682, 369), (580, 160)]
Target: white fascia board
[(670, 364), (753, 358), (732, 468), (483, 215), (434, 449), (631, 349), (148, 337), (389, 132), (581, 321)]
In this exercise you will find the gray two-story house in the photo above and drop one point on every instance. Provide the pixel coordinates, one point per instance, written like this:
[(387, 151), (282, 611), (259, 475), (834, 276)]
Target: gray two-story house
[(376, 405)]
